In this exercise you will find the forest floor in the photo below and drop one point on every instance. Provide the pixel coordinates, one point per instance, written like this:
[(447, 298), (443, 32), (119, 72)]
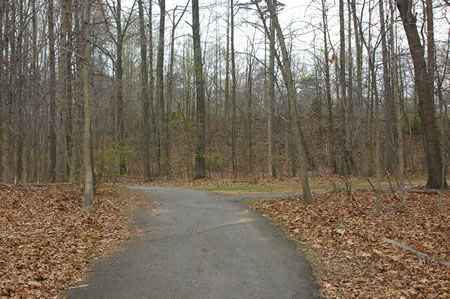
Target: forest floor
[(351, 249), (47, 242)]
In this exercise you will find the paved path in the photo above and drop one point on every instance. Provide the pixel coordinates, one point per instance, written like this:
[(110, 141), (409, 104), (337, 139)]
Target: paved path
[(202, 245)]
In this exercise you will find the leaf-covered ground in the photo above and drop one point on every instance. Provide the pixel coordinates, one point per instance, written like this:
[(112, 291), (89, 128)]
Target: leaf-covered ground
[(344, 241), (47, 242)]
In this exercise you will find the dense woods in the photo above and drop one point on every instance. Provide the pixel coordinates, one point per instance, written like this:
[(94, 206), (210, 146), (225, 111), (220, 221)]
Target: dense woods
[(223, 89)]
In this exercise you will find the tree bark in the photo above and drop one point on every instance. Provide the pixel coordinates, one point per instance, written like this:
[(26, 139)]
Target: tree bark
[(343, 93), (424, 83), (388, 96), (87, 137), (144, 94), (363, 162), (66, 83), (330, 135), (2, 84), (233, 93), (199, 171), (271, 170), (52, 103), (287, 74), (119, 88), (399, 122), (160, 92)]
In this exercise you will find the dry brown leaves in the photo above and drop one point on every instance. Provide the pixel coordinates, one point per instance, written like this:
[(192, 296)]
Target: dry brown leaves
[(47, 241), (333, 232)]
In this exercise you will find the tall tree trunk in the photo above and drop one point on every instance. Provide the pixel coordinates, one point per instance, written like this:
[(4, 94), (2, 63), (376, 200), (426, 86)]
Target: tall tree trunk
[(52, 108), (399, 122), (270, 102), (10, 43), (388, 97), (20, 95), (160, 92), (170, 76), (363, 162), (377, 141), (66, 80), (200, 92), (330, 135), (154, 127), (144, 93), (289, 80), (424, 83), (349, 99), (87, 137), (249, 114), (119, 88), (343, 94), (2, 84), (227, 73), (233, 92)]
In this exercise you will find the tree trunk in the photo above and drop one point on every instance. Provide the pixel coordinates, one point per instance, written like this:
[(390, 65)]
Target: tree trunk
[(343, 93), (363, 162), (424, 83), (2, 84), (160, 92), (233, 93), (270, 102), (388, 97), (399, 122), (66, 83), (287, 74), (87, 137), (200, 92), (144, 94), (119, 88), (330, 135), (52, 108), (349, 99), (248, 129)]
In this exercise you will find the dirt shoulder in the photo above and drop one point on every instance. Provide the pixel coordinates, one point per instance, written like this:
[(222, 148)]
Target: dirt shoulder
[(348, 247), (47, 243)]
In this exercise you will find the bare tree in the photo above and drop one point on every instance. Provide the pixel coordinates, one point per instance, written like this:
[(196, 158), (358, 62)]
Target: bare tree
[(52, 103), (200, 92), (423, 79), (395, 87), (175, 22), (233, 92), (66, 80), (270, 102), (163, 142), (289, 81), (144, 93), (388, 96), (87, 137)]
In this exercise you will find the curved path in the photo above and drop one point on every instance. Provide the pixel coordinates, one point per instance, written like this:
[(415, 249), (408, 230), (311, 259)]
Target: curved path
[(201, 245)]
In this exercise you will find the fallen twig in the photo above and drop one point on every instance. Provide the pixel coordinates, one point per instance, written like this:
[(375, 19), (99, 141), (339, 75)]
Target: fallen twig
[(412, 250)]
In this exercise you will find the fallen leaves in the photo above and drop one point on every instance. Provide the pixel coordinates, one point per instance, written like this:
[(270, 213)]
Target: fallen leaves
[(347, 248), (47, 242)]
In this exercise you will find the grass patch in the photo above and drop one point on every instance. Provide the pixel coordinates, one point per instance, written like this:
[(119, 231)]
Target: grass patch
[(252, 188)]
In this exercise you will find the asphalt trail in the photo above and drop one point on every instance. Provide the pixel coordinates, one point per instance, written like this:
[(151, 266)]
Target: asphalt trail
[(201, 245)]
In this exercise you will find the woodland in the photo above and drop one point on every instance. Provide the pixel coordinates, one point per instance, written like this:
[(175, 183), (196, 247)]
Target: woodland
[(232, 91), (160, 99)]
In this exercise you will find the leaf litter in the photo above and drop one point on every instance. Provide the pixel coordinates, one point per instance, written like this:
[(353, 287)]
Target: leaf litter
[(47, 242), (346, 247)]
